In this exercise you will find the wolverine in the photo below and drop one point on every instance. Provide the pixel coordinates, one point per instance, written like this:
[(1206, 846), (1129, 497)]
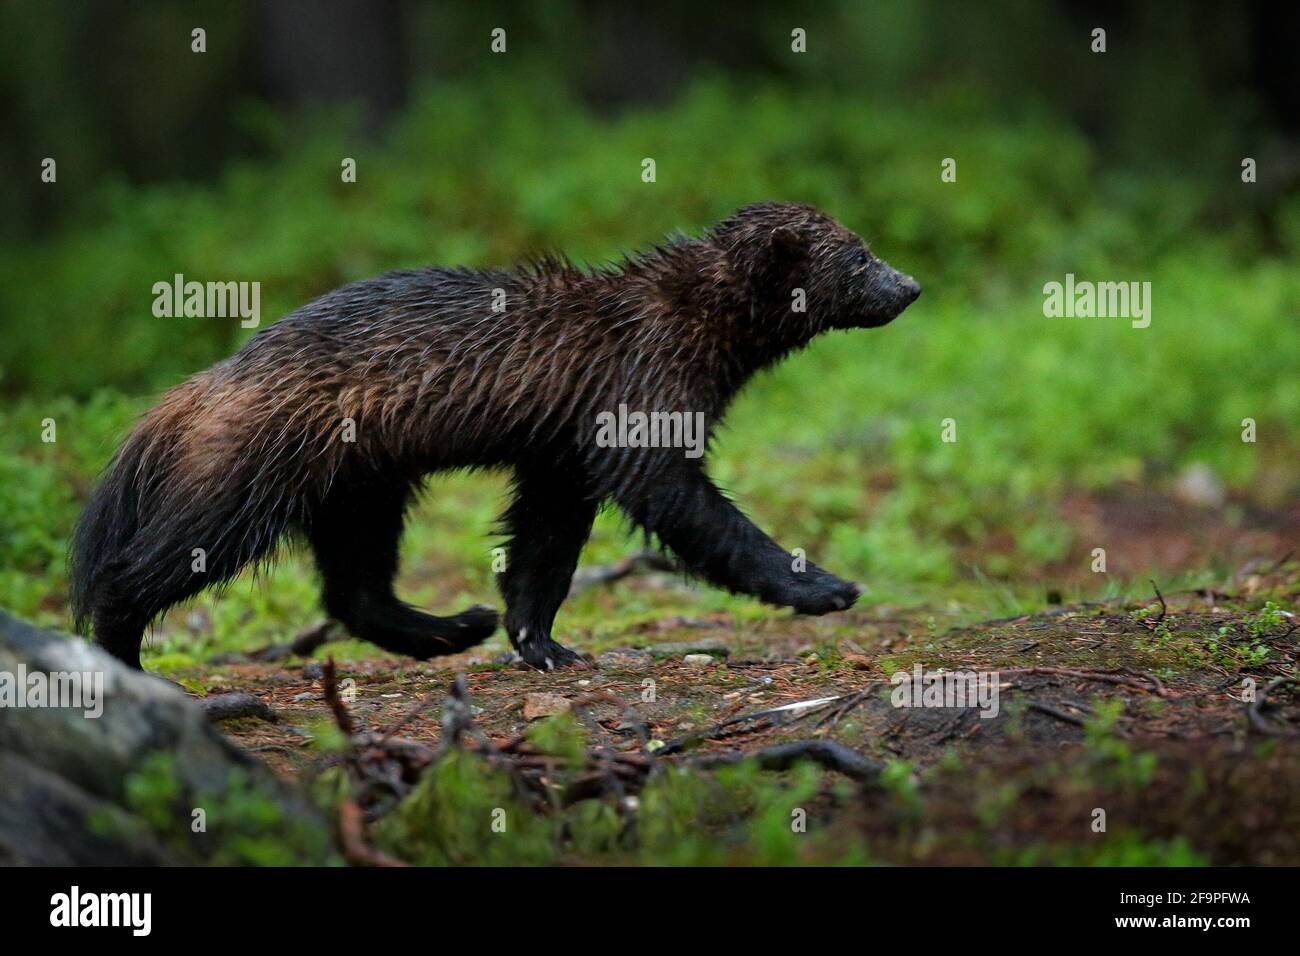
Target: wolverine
[(324, 425)]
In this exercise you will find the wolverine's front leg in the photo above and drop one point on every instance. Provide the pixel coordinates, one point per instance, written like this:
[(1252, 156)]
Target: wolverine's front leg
[(714, 540), (548, 522)]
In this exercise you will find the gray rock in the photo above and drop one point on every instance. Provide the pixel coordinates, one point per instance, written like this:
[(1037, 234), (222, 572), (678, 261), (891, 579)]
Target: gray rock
[(60, 766), (705, 645), (624, 657)]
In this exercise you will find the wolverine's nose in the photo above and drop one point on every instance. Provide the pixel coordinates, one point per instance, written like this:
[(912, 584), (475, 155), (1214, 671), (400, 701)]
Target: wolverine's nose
[(910, 289)]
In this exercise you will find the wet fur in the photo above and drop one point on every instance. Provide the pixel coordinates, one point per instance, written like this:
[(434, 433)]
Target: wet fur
[(251, 449)]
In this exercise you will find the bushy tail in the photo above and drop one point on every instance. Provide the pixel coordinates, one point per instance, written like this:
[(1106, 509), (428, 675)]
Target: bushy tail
[(157, 507), (108, 523)]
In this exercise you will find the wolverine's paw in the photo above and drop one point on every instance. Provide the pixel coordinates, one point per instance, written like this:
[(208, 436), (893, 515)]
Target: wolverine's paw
[(423, 636), (826, 595), (540, 652), (477, 622)]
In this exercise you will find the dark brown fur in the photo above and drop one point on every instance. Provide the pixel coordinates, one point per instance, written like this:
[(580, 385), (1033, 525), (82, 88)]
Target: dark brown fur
[(434, 379)]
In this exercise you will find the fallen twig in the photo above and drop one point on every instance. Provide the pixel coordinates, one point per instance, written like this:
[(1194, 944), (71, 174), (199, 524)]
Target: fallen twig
[(352, 839), (1154, 623), (1051, 711), (329, 685), (1156, 682)]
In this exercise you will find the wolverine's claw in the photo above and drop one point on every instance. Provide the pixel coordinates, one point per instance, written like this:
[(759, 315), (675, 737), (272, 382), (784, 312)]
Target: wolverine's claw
[(543, 654), (827, 596)]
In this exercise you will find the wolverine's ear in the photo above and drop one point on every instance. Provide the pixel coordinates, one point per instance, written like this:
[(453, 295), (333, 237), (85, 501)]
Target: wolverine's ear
[(787, 251), (787, 244)]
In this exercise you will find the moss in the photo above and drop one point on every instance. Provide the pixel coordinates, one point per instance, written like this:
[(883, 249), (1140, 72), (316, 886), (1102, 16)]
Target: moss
[(241, 824)]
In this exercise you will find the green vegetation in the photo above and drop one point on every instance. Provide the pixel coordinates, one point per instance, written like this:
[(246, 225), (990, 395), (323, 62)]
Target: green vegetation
[(1071, 434), (464, 812), (237, 825), (838, 451)]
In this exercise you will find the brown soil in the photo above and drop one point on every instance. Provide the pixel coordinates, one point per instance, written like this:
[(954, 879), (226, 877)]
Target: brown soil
[(1017, 787)]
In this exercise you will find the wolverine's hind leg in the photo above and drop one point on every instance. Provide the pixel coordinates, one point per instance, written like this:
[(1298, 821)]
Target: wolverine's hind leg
[(354, 535), (548, 523), (119, 629)]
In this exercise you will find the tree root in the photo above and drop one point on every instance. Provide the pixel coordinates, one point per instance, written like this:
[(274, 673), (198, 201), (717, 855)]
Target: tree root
[(1254, 714), (827, 753)]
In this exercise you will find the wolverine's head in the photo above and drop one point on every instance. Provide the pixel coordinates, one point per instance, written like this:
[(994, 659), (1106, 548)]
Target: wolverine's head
[(797, 258)]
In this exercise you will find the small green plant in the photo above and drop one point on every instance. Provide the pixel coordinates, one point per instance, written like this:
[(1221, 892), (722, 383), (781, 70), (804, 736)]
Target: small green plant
[(1270, 619), (560, 736), (1228, 652), (464, 812), (1126, 849)]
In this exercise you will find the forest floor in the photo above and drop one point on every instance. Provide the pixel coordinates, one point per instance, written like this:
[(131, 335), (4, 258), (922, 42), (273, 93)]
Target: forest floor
[(1147, 732)]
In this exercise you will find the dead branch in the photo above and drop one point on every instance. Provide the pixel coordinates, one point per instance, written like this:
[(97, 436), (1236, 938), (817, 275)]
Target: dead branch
[(1163, 607), (352, 839), (1051, 711), (329, 685), (1158, 683)]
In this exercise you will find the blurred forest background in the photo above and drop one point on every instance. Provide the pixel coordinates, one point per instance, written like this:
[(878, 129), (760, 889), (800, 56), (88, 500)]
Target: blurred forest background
[(1073, 434)]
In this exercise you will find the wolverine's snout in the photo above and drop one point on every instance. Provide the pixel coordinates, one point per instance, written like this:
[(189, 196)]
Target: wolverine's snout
[(909, 290), (901, 289), (894, 292)]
